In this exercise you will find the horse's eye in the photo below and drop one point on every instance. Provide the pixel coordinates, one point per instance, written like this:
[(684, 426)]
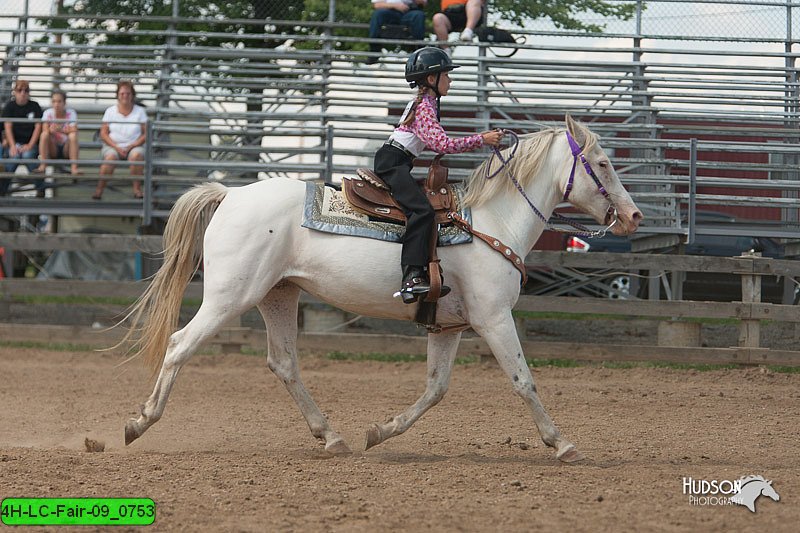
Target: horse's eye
[(603, 164)]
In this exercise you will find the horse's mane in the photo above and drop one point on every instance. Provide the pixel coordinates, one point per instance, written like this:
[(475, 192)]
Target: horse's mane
[(527, 162), (748, 479)]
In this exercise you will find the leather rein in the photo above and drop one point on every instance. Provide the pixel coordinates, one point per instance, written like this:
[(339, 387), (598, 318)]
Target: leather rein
[(577, 152), (580, 229)]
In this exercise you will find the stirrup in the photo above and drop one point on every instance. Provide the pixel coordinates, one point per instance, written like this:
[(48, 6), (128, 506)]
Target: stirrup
[(407, 295), (413, 286)]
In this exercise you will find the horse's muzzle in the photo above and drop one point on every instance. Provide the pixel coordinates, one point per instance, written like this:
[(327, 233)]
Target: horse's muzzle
[(625, 223)]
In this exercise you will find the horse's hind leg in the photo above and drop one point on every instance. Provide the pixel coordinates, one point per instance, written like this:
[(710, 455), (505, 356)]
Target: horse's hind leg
[(182, 345), (279, 309), (501, 336), (442, 349)]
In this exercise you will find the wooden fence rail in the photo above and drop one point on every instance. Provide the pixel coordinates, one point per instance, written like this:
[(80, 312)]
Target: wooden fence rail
[(747, 313)]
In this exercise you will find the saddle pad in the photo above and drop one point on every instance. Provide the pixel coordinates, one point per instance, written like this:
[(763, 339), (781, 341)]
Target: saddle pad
[(326, 210)]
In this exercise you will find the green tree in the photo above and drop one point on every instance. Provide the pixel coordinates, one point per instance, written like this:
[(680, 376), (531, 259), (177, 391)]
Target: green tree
[(563, 14), (223, 26), (137, 16), (515, 12)]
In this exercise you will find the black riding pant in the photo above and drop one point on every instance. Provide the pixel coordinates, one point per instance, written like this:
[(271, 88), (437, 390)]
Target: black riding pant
[(393, 166)]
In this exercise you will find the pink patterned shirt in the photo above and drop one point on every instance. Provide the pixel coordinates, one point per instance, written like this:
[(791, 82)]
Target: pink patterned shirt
[(428, 130)]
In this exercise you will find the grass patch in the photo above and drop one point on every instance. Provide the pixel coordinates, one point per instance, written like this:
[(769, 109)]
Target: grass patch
[(374, 356), (716, 321), (73, 300), (390, 357), (620, 365), (52, 346), (691, 366), (784, 369), (88, 300), (623, 365), (548, 315), (551, 315), (419, 358), (557, 363)]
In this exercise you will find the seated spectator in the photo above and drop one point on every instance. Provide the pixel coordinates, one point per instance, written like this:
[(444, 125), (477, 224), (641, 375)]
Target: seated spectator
[(21, 138), (458, 15), (59, 140), (123, 134), (406, 12)]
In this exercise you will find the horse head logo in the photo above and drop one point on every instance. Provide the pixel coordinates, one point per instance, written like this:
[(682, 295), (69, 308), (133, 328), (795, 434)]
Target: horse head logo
[(751, 488)]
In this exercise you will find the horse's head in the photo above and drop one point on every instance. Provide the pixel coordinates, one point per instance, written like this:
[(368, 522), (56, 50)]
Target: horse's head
[(600, 195), (767, 490)]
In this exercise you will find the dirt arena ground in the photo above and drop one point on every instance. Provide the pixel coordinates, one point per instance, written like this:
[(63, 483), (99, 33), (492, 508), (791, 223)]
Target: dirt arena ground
[(232, 452)]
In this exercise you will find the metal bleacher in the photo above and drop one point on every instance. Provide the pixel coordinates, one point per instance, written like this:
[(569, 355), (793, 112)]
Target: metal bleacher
[(315, 113)]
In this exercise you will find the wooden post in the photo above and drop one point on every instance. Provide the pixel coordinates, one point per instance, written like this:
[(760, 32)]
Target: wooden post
[(654, 284), (522, 329), (750, 329), (322, 318), (228, 346)]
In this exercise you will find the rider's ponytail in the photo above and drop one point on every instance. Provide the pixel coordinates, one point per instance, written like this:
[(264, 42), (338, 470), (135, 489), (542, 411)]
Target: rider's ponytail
[(409, 117)]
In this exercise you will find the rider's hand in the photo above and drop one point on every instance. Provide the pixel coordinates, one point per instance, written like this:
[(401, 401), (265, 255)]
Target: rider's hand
[(492, 137), (402, 7)]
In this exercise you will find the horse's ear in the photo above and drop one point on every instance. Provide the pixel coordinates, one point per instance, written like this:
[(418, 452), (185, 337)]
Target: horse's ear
[(575, 129)]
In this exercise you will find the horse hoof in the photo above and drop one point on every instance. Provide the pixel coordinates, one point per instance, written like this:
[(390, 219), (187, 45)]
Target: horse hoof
[(570, 454), (373, 437), (338, 447), (131, 434)]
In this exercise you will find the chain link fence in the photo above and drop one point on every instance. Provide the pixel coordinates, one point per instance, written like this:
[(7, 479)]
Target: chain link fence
[(711, 19), (719, 20), (774, 20)]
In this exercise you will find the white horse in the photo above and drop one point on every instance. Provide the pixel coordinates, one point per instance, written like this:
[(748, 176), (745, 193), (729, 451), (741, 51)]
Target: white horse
[(255, 253)]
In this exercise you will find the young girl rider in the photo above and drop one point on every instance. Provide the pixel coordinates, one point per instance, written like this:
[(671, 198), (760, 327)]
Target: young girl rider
[(428, 69)]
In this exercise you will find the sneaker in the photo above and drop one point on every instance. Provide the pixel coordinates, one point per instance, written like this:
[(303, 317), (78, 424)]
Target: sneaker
[(467, 34)]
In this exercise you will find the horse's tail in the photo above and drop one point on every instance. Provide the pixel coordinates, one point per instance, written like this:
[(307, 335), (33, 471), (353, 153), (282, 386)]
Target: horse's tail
[(155, 314)]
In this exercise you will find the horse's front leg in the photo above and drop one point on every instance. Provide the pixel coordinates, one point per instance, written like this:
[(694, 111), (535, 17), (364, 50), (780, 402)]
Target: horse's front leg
[(501, 336), (442, 348)]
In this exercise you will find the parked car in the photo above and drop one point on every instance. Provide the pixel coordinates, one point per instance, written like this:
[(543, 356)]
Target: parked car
[(703, 286)]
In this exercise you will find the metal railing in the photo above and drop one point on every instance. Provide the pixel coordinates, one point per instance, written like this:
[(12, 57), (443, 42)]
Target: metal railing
[(321, 112)]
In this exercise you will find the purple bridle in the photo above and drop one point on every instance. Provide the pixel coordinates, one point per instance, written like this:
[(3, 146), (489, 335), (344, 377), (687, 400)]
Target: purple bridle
[(576, 152)]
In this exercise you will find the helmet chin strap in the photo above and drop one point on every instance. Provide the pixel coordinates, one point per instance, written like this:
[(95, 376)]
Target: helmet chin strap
[(435, 89)]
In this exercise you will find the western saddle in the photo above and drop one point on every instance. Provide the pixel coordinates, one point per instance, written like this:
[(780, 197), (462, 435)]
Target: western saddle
[(371, 196)]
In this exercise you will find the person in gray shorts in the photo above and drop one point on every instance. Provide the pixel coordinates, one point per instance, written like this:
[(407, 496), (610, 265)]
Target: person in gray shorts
[(123, 134)]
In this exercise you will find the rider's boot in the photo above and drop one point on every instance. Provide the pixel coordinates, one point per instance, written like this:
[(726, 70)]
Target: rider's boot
[(415, 283)]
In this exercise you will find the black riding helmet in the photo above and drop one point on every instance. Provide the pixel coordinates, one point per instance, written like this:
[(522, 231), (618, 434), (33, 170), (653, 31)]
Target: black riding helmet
[(428, 60), (425, 61)]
